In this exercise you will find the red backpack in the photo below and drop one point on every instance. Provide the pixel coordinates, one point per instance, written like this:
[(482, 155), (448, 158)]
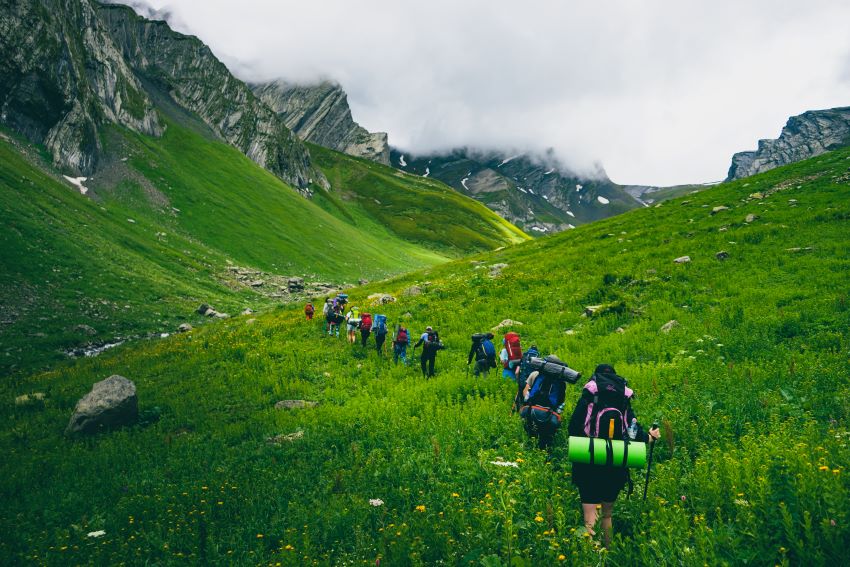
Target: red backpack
[(514, 350), (401, 336), (308, 308), (365, 321)]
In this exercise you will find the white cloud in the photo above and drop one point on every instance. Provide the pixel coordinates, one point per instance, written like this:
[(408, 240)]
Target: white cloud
[(658, 91)]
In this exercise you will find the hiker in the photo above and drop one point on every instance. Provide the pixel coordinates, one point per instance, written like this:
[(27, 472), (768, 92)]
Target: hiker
[(327, 310), (380, 330), (604, 410), (510, 356), (401, 340), (352, 320), (542, 400), (334, 319), (484, 352), (308, 311), (430, 342), (365, 328)]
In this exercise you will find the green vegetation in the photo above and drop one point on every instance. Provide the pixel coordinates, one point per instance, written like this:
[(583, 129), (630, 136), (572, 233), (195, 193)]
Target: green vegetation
[(168, 216), (751, 387), (414, 208)]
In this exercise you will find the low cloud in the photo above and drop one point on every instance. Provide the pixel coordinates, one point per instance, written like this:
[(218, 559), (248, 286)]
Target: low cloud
[(660, 92)]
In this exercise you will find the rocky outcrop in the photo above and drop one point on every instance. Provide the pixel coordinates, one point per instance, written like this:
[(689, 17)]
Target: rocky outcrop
[(62, 77), (191, 75), (320, 114), (807, 135), (111, 403)]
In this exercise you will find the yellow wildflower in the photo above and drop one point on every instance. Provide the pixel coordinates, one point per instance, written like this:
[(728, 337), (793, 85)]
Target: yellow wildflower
[(420, 508)]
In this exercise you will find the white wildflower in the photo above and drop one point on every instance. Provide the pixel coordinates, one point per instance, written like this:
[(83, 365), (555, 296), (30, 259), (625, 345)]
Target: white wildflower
[(98, 533), (376, 502), (505, 464)]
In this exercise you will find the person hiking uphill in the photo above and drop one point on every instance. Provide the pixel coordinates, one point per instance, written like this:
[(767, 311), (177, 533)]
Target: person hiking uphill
[(430, 342), (335, 319), (327, 311), (365, 328), (401, 341), (484, 352), (380, 330), (352, 320), (602, 411), (510, 356), (308, 311)]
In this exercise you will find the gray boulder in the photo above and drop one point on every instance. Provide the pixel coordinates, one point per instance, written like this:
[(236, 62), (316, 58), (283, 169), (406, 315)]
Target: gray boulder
[(111, 403), (413, 290), (295, 284), (682, 259), (496, 270), (184, 328), (669, 326), (722, 255), (719, 209), (202, 310)]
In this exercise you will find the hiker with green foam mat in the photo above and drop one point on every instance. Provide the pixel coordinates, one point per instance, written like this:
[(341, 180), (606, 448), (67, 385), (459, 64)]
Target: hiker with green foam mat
[(605, 440)]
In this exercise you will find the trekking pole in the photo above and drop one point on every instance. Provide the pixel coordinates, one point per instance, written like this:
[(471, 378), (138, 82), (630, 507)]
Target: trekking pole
[(649, 462)]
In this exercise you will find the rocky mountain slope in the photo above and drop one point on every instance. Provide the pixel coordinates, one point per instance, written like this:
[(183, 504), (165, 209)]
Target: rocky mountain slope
[(320, 114), (807, 135), (537, 194), (70, 67)]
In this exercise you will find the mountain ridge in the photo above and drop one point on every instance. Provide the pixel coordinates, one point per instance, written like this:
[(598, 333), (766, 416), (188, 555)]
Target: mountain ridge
[(806, 135)]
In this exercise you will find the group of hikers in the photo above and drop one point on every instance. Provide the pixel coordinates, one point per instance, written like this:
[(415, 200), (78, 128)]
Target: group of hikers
[(603, 426), (336, 313)]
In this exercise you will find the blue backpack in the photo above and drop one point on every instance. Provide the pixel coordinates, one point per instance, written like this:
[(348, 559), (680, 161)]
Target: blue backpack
[(380, 325), (525, 364)]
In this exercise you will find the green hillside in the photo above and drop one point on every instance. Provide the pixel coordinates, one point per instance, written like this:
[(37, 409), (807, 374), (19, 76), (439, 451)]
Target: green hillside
[(751, 388), (414, 208), (161, 224)]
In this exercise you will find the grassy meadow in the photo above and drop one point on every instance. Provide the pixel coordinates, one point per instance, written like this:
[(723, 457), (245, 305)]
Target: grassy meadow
[(752, 388), (167, 217)]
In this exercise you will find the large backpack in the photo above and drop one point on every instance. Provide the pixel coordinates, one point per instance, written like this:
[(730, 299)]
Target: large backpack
[(514, 350), (607, 410), (479, 347), (380, 325), (525, 364), (309, 308), (401, 336), (432, 342), (366, 322)]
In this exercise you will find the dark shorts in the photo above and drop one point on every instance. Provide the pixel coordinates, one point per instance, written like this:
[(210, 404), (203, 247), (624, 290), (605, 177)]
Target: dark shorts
[(598, 484)]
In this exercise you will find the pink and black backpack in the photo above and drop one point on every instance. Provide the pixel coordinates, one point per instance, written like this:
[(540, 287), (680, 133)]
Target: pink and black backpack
[(608, 411)]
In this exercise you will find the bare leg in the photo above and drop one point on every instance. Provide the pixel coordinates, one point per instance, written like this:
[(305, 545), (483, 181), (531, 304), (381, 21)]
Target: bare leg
[(607, 522), (591, 514)]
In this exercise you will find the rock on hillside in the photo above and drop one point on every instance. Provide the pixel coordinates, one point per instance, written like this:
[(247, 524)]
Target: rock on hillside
[(536, 193), (320, 114), (191, 75), (807, 135), (61, 77)]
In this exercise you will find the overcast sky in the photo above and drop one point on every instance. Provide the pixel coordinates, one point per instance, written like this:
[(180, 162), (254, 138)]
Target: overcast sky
[(659, 92)]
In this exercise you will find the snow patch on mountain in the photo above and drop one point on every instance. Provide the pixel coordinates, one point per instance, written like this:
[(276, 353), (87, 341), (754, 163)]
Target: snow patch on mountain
[(401, 161), (602, 200), (78, 183), (507, 160)]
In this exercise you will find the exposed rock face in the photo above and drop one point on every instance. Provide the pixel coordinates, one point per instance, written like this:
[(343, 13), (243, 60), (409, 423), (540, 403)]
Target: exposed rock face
[(537, 193), (192, 76), (807, 135), (320, 114), (62, 76), (111, 403)]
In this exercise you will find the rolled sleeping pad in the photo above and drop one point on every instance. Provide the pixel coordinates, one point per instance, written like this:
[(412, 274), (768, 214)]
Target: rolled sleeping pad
[(606, 452)]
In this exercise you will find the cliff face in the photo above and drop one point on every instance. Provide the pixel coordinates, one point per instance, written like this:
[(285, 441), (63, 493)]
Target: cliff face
[(61, 76), (197, 81), (320, 114), (534, 192), (68, 67), (807, 135)]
